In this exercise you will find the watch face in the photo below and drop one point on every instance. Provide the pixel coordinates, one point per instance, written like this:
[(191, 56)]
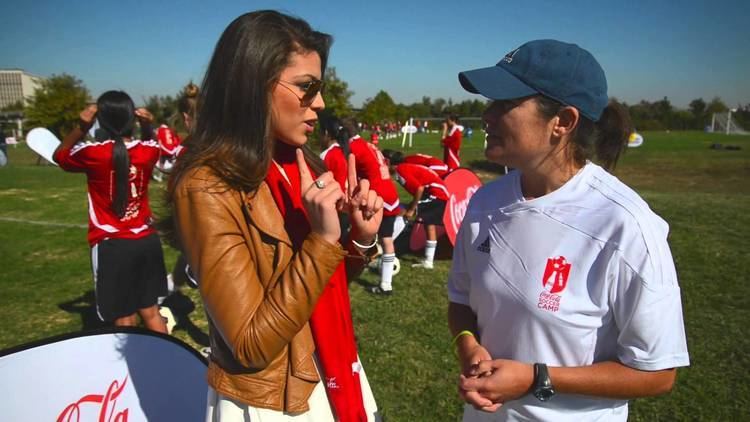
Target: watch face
[(544, 393)]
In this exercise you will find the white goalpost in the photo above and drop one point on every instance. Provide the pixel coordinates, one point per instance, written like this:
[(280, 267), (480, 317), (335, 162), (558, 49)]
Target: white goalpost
[(724, 123)]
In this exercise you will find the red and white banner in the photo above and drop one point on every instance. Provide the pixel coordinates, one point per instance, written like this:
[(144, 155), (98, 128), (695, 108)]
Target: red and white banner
[(462, 184), (114, 375)]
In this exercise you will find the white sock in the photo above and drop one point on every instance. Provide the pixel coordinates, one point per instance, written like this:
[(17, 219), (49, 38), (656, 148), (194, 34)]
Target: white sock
[(386, 271), (429, 251)]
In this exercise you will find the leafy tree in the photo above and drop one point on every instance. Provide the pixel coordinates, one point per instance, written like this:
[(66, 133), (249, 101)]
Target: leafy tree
[(644, 116), (716, 106), (57, 104), (379, 108), (438, 107), (698, 107), (682, 120), (698, 110), (164, 109), (663, 110), (336, 94), (742, 116), (420, 109)]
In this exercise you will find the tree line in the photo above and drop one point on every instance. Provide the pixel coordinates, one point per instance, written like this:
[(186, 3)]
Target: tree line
[(57, 102)]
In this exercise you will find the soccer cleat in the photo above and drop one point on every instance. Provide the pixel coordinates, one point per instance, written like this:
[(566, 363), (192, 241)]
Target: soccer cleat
[(376, 290), (423, 264), (168, 317)]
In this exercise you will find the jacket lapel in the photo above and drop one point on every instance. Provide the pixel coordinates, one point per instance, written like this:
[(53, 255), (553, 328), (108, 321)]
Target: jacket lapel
[(263, 213)]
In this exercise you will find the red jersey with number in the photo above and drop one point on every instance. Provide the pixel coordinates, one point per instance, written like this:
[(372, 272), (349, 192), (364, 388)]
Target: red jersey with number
[(428, 161), (412, 176), (95, 159), (168, 140), (451, 145), (334, 159), (371, 165)]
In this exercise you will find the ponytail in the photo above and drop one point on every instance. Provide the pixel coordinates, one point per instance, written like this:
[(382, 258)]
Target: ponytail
[(121, 164), (613, 128), (116, 115)]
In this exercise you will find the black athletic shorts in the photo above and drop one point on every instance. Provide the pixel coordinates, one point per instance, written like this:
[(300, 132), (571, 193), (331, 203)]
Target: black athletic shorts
[(386, 226), (431, 210), (129, 275)]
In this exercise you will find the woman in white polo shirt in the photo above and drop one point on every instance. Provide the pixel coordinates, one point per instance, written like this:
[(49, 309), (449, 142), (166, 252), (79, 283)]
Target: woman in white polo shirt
[(564, 301)]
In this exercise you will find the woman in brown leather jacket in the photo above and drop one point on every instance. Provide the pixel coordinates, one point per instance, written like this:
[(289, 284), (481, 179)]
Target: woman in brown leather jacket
[(256, 215)]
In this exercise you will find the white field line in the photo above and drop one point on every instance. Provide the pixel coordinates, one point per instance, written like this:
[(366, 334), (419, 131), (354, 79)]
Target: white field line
[(43, 223)]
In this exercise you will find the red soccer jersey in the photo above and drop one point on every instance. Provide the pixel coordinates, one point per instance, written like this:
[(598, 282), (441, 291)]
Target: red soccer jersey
[(371, 166), (95, 159), (428, 161), (334, 159), (451, 146), (168, 140), (412, 176)]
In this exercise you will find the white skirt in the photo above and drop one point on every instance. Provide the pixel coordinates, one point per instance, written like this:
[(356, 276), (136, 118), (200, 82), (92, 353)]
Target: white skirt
[(220, 408)]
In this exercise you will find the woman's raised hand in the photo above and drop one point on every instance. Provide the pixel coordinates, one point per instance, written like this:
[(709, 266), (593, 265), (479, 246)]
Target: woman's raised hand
[(320, 197), (365, 206)]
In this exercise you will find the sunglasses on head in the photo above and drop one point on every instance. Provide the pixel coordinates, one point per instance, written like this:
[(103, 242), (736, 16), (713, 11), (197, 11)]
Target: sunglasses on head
[(310, 89)]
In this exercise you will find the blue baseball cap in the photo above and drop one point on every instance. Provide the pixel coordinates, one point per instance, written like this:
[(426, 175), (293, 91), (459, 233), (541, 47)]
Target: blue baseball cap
[(564, 72)]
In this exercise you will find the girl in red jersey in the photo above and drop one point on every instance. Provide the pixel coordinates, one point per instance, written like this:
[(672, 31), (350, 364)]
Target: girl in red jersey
[(451, 142), (429, 192), (432, 163), (371, 165), (333, 154), (126, 254), (335, 149)]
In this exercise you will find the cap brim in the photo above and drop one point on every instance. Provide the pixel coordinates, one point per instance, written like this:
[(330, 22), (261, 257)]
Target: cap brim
[(494, 83)]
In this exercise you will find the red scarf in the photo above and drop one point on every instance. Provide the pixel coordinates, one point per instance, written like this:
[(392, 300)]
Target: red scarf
[(331, 320)]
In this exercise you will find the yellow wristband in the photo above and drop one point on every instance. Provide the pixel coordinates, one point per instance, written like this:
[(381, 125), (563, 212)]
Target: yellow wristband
[(458, 336)]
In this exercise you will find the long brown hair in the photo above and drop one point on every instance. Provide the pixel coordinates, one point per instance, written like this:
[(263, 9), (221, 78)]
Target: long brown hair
[(232, 130), (231, 134)]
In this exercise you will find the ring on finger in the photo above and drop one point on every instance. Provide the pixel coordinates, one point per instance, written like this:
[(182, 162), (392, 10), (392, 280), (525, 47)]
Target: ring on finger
[(320, 184)]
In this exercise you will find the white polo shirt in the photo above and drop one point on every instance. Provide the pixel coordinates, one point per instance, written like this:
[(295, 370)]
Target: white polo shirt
[(581, 275)]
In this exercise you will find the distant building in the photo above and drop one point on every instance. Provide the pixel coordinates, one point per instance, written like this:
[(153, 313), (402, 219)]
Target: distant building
[(17, 85)]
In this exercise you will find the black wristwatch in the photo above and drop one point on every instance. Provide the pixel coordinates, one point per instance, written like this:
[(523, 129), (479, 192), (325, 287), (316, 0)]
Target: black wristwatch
[(542, 387)]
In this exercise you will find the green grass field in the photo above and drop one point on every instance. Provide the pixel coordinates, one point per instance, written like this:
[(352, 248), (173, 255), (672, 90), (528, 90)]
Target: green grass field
[(404, 340)]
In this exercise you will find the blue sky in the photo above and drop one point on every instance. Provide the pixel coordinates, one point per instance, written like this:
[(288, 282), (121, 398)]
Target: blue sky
[(649, 49)]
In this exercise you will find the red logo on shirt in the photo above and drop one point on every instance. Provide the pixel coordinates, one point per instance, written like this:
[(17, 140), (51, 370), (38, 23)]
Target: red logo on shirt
[(556, 274)]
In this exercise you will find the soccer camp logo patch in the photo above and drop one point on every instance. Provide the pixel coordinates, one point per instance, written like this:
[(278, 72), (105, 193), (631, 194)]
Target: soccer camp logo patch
[(554, 281)]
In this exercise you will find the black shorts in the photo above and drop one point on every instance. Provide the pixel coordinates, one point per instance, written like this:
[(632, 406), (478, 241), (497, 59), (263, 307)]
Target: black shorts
[(430, 211), (386, 226), (129, 275)]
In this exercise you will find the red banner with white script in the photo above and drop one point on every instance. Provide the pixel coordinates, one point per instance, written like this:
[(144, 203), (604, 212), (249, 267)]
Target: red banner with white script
[(462, 184)]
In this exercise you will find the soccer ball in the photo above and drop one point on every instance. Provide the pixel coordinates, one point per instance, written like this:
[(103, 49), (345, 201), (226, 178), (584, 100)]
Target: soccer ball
[(377, 264)]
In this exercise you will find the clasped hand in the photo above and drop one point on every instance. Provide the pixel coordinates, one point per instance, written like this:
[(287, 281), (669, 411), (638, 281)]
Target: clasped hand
[(487, 383), (323, 200)]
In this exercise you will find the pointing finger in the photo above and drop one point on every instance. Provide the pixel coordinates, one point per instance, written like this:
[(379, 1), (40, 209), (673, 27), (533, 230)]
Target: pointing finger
[(351, 176), (305, 178)]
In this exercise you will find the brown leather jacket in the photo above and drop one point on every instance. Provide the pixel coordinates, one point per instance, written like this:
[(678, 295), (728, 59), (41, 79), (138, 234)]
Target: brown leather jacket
[(258, 293)]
